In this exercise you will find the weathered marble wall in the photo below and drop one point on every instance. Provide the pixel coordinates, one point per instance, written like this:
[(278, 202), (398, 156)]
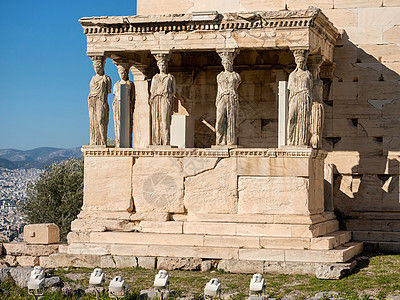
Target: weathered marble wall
[(362, 114)]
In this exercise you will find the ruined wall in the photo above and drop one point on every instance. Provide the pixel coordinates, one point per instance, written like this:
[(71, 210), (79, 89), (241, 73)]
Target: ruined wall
[(363, 111)]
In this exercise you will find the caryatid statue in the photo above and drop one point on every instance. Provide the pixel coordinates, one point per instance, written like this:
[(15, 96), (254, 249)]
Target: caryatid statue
[(123, 71), (100, 87), (227, 101), (317, 109), (161, 96), (300, 89)]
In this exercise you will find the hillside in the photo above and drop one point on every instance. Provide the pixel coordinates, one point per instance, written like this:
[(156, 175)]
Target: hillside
[(35, 158)]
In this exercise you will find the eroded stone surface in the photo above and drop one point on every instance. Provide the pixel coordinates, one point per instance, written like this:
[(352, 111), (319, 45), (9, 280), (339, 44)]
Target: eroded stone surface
[(188, 264), (213, 191), (107, 184), (158, 185), (273, 195)]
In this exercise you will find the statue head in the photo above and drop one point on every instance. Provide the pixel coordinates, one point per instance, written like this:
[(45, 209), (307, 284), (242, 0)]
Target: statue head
[(227, 58), (227, 63), (162, 62), (300, 57), (315, 62), (123, 71), (98, 64)]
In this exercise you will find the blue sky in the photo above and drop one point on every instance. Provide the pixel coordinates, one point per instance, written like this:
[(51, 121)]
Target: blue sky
[(45, 73)]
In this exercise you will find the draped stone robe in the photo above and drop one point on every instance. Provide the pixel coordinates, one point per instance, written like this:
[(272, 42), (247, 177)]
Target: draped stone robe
[(162, 91), (300, 87), (227, 104), (100, 87), (317, 114)]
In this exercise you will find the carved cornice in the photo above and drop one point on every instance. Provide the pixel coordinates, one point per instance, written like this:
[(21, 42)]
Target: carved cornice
[(186, 22), (191, 152), (312, 18)]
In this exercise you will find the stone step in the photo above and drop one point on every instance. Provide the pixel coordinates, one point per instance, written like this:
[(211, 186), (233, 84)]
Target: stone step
[(339, 254), (244, 229), (325, 242), (373, 225), (376, 236), (385, 247), (260, 218), (331, 240)]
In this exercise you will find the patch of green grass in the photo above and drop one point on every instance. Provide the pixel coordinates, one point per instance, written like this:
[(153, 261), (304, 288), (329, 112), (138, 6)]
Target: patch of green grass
[(378, 278)]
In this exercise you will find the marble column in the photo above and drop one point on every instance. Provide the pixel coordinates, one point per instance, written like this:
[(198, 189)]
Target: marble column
[(141, 116), (123, 105), (282, 113)]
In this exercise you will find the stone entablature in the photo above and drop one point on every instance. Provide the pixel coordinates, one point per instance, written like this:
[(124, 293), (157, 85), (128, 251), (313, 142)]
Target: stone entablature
[(192, 152), (306, 29)]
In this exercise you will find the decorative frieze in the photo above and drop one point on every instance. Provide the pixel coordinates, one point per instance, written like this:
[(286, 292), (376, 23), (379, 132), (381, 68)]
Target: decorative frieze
[(192, 152)]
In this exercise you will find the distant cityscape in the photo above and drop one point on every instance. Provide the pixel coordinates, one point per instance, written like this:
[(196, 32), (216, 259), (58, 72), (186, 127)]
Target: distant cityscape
[(13, 185), (17, 169)]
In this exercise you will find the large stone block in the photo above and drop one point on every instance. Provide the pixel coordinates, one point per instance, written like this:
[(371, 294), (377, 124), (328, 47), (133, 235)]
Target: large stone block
[(147, 238), (284, 243), (272, 230), (27, 261), (146, 262), (173, 251), (156, 7), (357, 3), (59, 260), (125, 261), (161, 227), (26, 249), (256, 5), (381, 16), (263, 166), (107, 183), (158, 184), (273, 195), (240, 266), (232, 241), (187, 264), (213, 191), (367, 35), (220, 6), (262, 254), (195, 165), (304, 4), (391, 3), (41, 234), (209, 228), (342, 17)]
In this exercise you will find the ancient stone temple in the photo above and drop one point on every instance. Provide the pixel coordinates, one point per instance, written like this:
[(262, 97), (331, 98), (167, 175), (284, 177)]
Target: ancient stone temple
[(235, 137)]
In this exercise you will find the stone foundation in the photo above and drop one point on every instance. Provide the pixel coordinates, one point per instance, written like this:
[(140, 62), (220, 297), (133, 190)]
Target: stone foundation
[(243, 206)]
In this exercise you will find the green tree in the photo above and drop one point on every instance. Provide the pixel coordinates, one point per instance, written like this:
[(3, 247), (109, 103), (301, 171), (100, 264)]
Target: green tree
[(56, 197)]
